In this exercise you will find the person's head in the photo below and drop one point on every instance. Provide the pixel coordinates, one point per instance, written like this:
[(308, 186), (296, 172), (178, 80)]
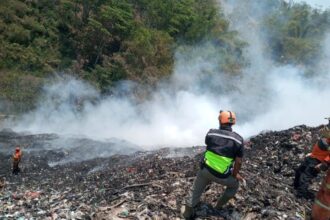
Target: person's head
[(17, 149), (227, 118)]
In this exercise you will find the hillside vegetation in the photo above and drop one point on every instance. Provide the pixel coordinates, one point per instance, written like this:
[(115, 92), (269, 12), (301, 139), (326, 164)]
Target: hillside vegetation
[(105, 41)]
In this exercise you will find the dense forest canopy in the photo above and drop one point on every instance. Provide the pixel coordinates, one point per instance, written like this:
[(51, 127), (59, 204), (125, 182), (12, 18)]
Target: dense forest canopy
[(105, 41)]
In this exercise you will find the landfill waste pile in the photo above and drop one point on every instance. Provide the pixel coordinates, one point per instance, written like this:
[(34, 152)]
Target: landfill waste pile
[(59, 181)]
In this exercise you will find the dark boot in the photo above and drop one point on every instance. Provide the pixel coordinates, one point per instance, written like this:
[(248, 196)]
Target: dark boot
[(187, 212), (299, 171), (305, 178), (306, 194), (222, 201)]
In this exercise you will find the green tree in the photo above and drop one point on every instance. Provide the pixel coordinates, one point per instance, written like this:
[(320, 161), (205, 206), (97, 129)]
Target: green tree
[(295, 32)]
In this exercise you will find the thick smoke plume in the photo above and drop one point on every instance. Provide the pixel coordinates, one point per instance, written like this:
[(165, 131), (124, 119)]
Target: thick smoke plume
[(181, 110)]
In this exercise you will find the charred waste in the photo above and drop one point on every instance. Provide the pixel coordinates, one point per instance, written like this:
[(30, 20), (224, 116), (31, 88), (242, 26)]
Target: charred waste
[(96, 180)]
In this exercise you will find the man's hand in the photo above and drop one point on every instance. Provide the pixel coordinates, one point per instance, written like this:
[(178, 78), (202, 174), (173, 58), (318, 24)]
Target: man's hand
[(240, 179), (321, 167), (318, 167)]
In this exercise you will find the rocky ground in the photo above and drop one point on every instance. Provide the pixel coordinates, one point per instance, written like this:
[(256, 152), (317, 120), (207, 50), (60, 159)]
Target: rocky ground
[(70, 183)]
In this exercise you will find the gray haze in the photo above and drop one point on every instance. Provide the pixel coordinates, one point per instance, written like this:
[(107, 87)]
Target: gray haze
[(181, 110), (289, 98)]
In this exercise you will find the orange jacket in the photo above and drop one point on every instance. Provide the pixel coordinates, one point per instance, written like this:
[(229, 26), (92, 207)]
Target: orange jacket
[(321, 150), (17, 156), (320, 210)]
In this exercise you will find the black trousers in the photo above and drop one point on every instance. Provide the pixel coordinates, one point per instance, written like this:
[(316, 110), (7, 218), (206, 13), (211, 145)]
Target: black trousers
[(304, 175), (16, 168)]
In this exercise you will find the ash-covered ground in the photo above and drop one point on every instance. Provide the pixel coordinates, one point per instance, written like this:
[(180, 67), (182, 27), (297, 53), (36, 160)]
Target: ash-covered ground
[(76, 178)]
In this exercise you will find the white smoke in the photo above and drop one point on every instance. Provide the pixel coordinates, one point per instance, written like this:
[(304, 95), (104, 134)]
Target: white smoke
[(162, 121), (292, 99), (181, 110)]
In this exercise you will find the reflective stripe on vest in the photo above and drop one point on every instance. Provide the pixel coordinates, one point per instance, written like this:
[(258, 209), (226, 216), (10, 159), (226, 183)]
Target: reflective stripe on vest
[(318, 202), (225, 136), (217, 162)]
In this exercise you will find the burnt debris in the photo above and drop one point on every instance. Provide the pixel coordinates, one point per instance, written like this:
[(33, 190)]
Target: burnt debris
[(58, 183)]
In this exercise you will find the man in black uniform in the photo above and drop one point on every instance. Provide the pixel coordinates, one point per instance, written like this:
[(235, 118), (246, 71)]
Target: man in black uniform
[(221, 163)]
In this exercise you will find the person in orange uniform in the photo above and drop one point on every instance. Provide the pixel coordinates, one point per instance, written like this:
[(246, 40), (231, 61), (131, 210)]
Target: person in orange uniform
[(17, 156), (318, 160), (321, 207)]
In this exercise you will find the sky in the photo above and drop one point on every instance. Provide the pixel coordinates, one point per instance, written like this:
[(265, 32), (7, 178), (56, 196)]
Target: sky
[(316, 3)]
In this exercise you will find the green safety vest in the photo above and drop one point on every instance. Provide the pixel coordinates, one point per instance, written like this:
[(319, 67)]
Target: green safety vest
[(217, 162)]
